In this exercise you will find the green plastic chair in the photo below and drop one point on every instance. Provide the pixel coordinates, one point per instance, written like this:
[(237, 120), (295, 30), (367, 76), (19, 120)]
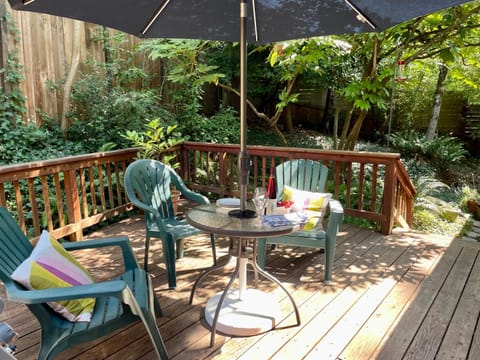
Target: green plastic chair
[(306, 175), (111, 311), (148, 184)]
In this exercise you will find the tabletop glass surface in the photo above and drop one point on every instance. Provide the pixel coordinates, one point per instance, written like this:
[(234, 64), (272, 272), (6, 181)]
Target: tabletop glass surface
[(212, 218)]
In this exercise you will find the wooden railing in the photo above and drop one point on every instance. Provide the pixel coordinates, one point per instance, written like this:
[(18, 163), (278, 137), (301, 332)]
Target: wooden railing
[(66, 195), (70, 194), (372, 186)]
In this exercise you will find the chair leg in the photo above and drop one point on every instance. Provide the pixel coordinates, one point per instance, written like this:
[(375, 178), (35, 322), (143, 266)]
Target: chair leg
[(152, 329), (147, 252), (329, 258), (158, 312), (214, 250), (49, 344), (169, 256), (153, 302), (261, 252), (180, 247)]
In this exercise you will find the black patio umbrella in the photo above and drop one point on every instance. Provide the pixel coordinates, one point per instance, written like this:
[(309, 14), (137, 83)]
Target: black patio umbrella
[(245, 21)]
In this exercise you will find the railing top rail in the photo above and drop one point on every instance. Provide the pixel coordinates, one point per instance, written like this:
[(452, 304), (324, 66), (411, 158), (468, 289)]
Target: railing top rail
[(32, 169), (359, 156), (405, 179)]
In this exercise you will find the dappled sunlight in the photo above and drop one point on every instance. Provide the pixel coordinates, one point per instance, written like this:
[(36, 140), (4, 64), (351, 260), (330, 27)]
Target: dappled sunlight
[(377, 281), (358, 264)]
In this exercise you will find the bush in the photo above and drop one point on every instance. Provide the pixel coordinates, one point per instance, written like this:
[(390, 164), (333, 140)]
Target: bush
[(222, 128), (442, 151), (101, 117), (20, 143), (154, 139)]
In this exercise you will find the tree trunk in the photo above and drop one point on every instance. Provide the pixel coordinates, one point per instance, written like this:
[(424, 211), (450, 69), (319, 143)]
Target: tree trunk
[(272, 121), (108, 57), (67, 88), (335, 129), (288, 120), (352, 137), (437, 102), (345, 129), (288, 113)]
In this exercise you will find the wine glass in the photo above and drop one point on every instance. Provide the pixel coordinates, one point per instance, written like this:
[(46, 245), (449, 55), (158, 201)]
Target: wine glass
[(260, 200)]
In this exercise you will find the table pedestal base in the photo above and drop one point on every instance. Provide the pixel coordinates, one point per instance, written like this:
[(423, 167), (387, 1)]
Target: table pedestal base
[(257, 312)]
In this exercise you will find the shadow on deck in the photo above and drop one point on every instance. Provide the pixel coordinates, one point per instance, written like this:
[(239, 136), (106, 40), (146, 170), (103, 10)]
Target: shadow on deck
[(408, 295)]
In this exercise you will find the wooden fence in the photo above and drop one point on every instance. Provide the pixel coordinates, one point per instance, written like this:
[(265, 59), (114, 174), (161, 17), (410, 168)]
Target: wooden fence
[(44, 46), (70, 194)]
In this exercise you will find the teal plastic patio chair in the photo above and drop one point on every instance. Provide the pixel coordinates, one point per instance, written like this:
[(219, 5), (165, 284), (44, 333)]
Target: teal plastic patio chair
[(148, 185), (306, 175), (111, 311)]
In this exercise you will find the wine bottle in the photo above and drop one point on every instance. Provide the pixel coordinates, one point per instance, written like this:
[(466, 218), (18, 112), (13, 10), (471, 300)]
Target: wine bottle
[(271, 193)]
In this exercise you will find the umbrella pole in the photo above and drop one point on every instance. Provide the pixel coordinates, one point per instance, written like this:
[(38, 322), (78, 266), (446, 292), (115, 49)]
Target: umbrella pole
[(243, 159)]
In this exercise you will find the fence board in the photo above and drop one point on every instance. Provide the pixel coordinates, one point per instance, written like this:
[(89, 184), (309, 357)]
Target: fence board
[(45, 52)]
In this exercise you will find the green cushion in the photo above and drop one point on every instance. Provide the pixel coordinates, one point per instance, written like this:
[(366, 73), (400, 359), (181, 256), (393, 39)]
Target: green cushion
[(51, 266)]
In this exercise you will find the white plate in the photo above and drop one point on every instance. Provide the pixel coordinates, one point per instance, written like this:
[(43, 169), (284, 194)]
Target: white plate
[(229, 202)]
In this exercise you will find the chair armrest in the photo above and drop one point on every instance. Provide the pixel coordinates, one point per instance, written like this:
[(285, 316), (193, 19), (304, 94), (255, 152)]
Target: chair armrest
[(186, 192), (129, 258), (137, 203), (193, 196), (335, 218), (105, 288)]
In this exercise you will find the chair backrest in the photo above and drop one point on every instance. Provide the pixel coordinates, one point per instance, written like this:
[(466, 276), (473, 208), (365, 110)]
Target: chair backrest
[(14, 245), (148, 184), (301, 174), (14, 249)]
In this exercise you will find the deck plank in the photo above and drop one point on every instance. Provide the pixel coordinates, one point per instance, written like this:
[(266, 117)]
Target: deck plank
[(365, 342), (410, 321), (457, 339), (332, 345), (430, 334)]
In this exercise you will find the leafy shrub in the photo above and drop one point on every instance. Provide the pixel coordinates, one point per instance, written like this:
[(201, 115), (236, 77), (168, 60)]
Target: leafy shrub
[(222, 127), (24, 142), (427, 221), (108, 100), (442, 151), (101, 117), (436, 207), (155, 139)]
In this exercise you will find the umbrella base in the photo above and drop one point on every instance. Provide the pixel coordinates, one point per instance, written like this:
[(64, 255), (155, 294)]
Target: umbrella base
[(245, 214), (255, 313)]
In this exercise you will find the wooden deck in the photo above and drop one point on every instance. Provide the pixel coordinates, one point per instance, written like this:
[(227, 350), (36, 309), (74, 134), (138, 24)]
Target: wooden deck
[(404, 296)]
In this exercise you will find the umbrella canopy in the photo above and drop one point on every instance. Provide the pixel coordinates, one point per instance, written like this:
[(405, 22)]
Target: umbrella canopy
[(268, 20), (255, 21)]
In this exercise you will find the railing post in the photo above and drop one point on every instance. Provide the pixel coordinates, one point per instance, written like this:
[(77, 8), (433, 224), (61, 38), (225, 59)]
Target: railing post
[(389, 198), (73, 202), (184, 164), (222, 169)]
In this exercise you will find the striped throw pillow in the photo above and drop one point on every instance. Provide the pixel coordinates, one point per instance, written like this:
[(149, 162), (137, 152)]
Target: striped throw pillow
[(51, 266)]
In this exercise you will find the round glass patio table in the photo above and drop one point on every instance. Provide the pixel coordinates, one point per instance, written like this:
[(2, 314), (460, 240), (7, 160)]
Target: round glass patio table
[(242, 311)]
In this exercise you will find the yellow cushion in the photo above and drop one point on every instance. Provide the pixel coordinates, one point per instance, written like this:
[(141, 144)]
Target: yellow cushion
[(312, 204)]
